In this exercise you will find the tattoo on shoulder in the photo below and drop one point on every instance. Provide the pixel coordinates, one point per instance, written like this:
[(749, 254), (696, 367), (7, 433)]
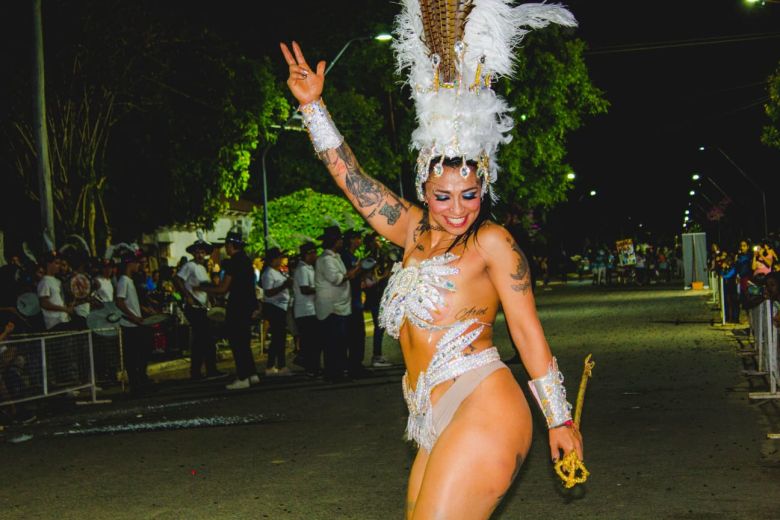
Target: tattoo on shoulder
[(422, 226), (521, 274)]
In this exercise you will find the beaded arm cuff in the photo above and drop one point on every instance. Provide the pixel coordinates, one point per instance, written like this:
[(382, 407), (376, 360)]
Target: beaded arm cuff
[(322, 131), (551, 396)]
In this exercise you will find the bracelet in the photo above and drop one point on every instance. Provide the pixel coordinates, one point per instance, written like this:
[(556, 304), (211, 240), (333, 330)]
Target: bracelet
[(322, 130), (550, 394)]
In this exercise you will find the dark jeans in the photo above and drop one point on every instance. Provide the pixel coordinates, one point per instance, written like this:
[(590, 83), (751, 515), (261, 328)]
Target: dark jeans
[(311, 348), (379, 332), (136, 349), (731, 301), (277, 327), (356, 346), (238, 328), (204, 351), (334, 339)]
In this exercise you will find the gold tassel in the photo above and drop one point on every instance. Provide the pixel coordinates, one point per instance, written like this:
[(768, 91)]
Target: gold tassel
[(570, 468)]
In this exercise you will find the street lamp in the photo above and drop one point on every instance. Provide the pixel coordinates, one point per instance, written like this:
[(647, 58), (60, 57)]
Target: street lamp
[(749, 179), (382, 37), (592, 193), (692, 193), (571, 176), (695, 177)]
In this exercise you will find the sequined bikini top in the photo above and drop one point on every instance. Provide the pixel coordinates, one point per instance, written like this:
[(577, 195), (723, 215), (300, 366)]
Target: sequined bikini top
[(414, 291)]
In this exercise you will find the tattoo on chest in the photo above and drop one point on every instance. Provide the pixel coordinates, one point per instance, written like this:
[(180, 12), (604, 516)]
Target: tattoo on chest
[(521, 274), (472, 312)]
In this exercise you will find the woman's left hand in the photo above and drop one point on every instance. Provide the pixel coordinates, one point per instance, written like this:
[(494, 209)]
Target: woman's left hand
[(564, 440)]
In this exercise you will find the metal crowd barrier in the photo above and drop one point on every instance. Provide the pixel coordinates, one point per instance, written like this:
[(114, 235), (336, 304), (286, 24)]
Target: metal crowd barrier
[(765, 340), (717, 298), (45, 365)]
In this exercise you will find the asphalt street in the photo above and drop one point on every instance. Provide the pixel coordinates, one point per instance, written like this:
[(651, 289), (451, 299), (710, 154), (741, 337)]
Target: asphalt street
[(669, 434)]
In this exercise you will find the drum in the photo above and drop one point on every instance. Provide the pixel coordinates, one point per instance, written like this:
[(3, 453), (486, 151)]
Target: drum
[(80, 286), (216, 314), (367, 264), (105, 320), (155, 319), (28, 304)]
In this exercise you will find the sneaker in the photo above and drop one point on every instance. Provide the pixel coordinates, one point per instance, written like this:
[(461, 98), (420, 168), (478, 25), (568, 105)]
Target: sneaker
[(238, 384), (380, 362), (284, 371), (271, 372), (254, 379)]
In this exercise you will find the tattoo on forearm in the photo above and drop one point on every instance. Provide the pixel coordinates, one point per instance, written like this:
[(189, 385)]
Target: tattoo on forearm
[(366, 191), (521, 274), (472, 312)]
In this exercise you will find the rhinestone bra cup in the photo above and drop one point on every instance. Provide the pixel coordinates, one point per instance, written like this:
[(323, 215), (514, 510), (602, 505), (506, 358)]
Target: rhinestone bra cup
[(412, 293)]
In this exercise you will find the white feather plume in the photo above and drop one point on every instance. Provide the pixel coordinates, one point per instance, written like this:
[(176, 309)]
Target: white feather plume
[(28, 252), (467, 122), (82, 243)]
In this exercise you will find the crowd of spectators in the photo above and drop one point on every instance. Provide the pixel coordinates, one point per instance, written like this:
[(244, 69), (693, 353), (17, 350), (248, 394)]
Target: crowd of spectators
[(748, 272), (317, 299), (603, 265)]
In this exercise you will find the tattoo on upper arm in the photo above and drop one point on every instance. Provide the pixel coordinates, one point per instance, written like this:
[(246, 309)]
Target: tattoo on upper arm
[(521, 274), (366, 191), (391, 213)]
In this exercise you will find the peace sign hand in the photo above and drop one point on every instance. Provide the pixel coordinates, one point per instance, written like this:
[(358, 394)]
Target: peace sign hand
[(305, 84)]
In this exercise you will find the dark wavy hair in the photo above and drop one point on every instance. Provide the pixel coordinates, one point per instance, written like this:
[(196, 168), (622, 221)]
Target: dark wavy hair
[(485, 209)]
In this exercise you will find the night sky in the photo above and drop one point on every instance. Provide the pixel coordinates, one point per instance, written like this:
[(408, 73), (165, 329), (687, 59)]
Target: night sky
[(665, 102)]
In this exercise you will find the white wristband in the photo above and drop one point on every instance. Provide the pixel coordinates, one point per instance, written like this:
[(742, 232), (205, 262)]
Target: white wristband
[(551, 396), (322, 131)]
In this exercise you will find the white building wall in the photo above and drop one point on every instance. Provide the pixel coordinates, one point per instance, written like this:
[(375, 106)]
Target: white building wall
[(178, 240)]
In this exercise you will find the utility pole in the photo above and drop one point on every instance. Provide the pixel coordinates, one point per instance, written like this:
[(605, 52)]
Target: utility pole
[(40, 130)]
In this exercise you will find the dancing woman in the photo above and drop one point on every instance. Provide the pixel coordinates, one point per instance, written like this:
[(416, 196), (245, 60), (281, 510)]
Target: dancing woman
[(467, 413)]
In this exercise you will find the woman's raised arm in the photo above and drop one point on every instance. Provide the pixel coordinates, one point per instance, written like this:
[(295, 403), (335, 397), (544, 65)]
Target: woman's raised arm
[(386, 212)]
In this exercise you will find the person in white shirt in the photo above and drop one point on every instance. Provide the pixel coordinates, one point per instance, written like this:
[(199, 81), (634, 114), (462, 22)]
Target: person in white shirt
[(304, 311), (136, 341), (103, 285), (188, 280), (332, 302), (56, 315), (276, 300)]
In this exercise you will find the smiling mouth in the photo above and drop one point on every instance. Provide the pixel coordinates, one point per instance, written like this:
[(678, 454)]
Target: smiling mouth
[(456, 222)]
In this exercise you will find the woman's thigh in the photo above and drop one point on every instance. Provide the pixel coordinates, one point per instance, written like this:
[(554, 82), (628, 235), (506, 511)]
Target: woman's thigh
[(477, 456)]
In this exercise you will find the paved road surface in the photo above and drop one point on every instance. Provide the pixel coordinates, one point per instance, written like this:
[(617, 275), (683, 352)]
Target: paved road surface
[(669, 435)]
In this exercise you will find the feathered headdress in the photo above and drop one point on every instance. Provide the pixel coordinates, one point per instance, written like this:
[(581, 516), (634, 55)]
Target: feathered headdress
[(453, 50)]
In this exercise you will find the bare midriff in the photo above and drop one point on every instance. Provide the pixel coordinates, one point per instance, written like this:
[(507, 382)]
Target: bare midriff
[(474, 297)]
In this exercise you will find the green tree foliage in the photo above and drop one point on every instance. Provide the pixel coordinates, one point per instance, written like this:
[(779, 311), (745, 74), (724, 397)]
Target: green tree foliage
[(300, 216), (151, 122), (552, 96), (771, 133)]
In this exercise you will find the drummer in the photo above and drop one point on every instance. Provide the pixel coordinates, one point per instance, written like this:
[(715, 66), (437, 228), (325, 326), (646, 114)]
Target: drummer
[(136, 339), (190, 276)]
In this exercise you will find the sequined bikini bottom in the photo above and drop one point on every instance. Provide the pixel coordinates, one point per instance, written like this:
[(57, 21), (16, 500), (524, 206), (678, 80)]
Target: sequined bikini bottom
[(426, 422)]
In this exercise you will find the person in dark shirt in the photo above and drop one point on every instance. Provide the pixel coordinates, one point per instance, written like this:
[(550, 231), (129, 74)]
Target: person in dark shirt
[(356, 325), (239, 281)]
